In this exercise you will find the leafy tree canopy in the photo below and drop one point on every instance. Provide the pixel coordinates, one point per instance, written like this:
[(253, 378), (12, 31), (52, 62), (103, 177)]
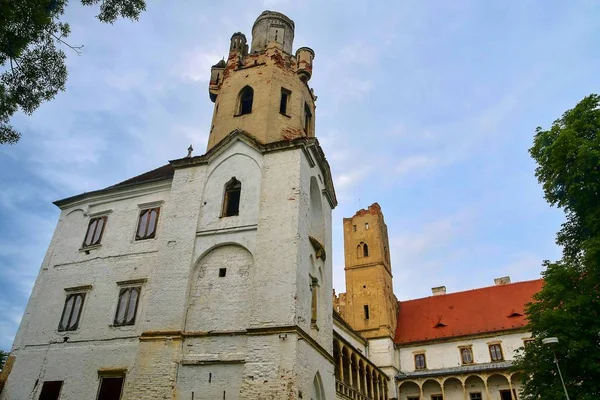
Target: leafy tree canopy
[(3, 357), (568, 306), (32, 39)]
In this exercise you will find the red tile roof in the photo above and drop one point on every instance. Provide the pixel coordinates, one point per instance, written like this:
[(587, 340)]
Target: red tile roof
[(488, 309)]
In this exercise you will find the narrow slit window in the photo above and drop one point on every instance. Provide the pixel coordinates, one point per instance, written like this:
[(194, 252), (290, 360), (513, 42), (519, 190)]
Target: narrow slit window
[(69, 321), (314, 286), (222, 272), (94, 232), (127, 307), (366, 309), (246, 99), (231, 199), (307, 118), (366, 250), (147, 224), (285, 98)]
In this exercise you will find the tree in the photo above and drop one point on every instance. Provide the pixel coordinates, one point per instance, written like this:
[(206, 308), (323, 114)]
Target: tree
[(32, 39), (568, 306), (3, 357)]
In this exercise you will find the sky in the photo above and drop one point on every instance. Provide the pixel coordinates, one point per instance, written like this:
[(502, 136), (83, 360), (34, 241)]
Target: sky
[(428, 108)]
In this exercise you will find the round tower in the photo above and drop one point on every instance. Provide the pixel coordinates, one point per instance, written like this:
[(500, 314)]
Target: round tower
[(272, 26), (238, 44)]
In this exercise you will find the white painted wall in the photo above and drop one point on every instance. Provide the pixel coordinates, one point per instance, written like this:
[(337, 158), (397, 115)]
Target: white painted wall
[(446, 354)]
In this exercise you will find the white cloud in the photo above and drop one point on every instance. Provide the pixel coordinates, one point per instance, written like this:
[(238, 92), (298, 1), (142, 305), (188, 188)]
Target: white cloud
[(417, 163), (196, 64)]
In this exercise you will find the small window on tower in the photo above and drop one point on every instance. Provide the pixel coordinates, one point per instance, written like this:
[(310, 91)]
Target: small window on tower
[(231, 199), (354, 228), (366, 225), (222, 272), (307, 118), (366, 309), (366, 250), (245, 100), (285, 98)]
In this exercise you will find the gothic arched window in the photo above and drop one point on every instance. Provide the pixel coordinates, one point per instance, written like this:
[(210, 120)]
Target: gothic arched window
[(231, 199), (366, 250), (245, 100)]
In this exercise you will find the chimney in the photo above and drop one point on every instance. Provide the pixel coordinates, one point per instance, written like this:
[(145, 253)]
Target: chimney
[(505, 280), (437, 291)]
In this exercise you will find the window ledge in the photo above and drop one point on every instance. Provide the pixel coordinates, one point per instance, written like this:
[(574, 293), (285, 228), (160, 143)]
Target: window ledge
[(86, 249), (241, 115), (285, 115)]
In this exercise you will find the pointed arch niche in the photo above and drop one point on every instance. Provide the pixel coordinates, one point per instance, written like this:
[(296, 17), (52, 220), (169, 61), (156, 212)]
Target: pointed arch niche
[(219, 290), (317, 393), (317, 222), (245, 100)]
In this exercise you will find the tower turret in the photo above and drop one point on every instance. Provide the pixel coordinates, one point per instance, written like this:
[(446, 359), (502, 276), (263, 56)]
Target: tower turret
[(265, 92), (271, 26)]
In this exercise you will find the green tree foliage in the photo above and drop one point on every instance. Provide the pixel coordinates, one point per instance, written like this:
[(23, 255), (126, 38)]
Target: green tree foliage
[(568, 306), (3, 357), (32, 39)]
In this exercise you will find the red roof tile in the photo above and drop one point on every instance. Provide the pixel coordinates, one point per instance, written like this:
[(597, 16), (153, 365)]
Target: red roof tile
[(488, 309)]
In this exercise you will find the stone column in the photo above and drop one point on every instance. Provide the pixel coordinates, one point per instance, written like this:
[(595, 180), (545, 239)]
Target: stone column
[(376, 396), (341, 363), (350, 370), (511, 388), (464, 386), (371, 378), (358, 380)]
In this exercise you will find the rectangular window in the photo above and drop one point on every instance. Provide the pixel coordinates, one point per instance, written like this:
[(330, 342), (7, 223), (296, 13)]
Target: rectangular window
[(366, 309), (94, 231), (110, 387), (505, 395), (307, 118), (412, 398), (527, 342), (285, 98), (437, 397), (475, 396), (466, 354), (50, 390), (127, 307), (147, 224), (69, 321), (222, 272), (496, 352), (420, 361)]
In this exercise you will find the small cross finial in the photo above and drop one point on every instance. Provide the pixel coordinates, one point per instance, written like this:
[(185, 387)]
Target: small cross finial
[(190, 150)]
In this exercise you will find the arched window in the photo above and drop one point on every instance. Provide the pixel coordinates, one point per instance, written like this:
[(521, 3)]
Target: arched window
[(231, 199), (466, 355), (245, 100), (366, 250)]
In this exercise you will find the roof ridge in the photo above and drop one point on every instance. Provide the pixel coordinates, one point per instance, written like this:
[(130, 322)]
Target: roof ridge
[(471, 290)]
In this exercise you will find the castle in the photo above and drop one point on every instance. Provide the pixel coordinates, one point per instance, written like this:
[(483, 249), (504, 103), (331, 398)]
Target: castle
[(210, 277)]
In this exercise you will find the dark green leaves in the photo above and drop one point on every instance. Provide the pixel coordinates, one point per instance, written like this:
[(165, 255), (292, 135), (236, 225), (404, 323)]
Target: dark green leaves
[(32, 40), (568, 306)]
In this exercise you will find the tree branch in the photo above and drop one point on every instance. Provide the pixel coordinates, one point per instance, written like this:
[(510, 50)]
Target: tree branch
[(77, 49)]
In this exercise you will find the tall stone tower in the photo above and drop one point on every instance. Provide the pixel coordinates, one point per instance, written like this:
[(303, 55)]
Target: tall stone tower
[(371, 307), (264, 92), (209, 277)]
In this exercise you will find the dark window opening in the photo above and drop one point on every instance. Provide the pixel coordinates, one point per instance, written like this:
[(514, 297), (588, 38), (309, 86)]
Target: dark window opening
[(127, 307), (420, 361), (496, 352), (475, 396), (505, 395), (285, 98), (437, 397), (69, 321), (50, 390), (222, 272), (307, 118), (94, 232), (354, 228), (366, 309), (366, 250), (110, 388), (246, 98), (231, 200), (147, 224)]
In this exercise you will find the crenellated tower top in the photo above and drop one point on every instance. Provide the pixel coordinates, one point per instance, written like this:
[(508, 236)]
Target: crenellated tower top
[(264, 91)]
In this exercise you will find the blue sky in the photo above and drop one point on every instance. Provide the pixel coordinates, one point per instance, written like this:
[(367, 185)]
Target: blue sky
[(428, 108)]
